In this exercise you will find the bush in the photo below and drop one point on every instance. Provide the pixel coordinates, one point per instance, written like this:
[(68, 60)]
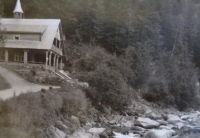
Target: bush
[(108, 85), (157, 92), (33, 72), (31, 111)]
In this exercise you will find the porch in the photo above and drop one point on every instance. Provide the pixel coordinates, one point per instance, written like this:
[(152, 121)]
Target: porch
[(31, 57)]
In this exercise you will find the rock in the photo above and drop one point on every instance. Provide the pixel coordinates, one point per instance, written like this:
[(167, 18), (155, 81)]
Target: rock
[(162, 122), (56, 133), (146, 123), (195, 117), (173, 119), (168, 127), (136, 128), (112, 122), (142, 109), (185, 117), (154, 116), (159, 134), (129, 123), (130, 135), (97, 131), (190, 120), (87, 126), (122, 120), (180, 125), (115, 119), (195, 130), (83, 135), (74, 120), (61, 126)]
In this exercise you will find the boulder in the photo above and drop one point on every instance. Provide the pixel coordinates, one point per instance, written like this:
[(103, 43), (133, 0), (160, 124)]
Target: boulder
[(60, 125), (129, 123), (146, 123), (138, 129), (56, 133), (194, 117), (180, 125), (154, 115), (185, 117), (173, 119), (168, 127), (123, 120), (74, 120), (159, 134), (130, 135), (162, 122), (142, 109), (112, 122), (116, 119), (83, 135), (87, 126), (97, 131)]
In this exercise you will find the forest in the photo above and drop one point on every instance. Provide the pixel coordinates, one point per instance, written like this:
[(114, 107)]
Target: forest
[(128, 49)]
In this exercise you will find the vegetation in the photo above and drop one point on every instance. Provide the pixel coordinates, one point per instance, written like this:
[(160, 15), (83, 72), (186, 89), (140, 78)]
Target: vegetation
[(3, 84), (129, 48), (22, 116), (37, 75)]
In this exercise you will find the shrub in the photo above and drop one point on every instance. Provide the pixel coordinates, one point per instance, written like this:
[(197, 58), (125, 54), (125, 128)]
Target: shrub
[(22, 115), (33, 72), (108, 85), (157, 91), (43, 90)]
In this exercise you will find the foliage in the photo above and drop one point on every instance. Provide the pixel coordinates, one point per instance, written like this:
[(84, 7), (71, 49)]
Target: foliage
[(22, 115), (3, 84), (146, 44)]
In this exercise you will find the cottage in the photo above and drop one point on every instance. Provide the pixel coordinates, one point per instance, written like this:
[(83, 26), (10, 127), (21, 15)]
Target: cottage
[(31, 41)]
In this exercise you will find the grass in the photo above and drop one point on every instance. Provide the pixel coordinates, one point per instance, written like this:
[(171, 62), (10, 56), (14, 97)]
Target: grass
[(3, 84), (23, 115)]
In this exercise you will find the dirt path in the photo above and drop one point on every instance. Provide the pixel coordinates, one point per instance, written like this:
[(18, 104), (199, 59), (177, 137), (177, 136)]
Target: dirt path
[(18, 85)]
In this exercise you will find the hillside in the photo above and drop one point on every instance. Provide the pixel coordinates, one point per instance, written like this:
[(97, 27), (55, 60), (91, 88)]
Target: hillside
[(141, 60), (132, 49)]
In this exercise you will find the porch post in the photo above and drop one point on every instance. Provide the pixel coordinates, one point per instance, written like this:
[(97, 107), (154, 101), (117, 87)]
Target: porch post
[(50, 58), (46, 65), (6, 56), (25, 57), (54, 61), (61, 63), (57, 63)]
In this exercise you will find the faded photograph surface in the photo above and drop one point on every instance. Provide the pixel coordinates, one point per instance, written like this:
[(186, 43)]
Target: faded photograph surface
[(99, 69)]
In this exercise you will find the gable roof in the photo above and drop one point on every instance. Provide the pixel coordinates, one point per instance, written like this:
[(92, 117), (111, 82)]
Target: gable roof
[(47, 27), (18, 7), (23, 28)]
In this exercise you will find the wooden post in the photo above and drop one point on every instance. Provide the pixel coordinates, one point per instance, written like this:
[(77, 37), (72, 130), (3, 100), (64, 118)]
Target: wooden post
[(25, 57), (54, 61), (61, 63), (6, 56), (57, 63), (50, 54), (46, 65)]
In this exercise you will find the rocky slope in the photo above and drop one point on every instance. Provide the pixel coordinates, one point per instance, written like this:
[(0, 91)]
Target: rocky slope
[(139, 121)]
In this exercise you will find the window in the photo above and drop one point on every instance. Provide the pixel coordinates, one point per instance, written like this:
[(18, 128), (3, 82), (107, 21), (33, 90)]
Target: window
[(19, 57), (56, 43), (16, 37)]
